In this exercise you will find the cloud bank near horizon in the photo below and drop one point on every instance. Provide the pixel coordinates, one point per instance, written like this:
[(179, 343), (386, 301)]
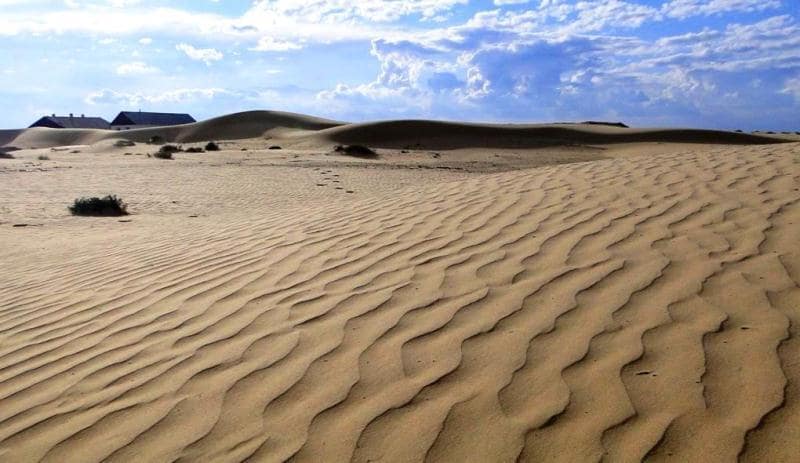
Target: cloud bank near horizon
[(711, 63)]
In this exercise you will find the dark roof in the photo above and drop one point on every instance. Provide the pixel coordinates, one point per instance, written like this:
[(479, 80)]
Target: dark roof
[(140, 118), (72, 122)]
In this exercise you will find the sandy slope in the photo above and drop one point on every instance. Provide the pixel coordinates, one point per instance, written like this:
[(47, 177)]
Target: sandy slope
[(308, 131), (637, 307)]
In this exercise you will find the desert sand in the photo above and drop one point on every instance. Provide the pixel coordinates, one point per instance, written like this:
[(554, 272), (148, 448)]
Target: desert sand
[(473, 293)]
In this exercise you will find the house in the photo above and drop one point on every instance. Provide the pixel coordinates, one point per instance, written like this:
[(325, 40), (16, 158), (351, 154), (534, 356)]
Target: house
[(72, 122), (127, 120)]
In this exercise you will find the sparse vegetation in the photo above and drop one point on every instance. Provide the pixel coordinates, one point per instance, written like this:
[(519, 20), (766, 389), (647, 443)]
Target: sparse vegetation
[(165, 152), (43, 157), (212, 146), (195, 149), (156, 140), (359, 151), (123, 143), (110, 206), (275, 147), (170, 149)]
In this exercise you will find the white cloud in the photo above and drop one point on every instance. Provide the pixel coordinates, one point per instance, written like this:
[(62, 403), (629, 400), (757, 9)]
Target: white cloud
[(136, 68), (792, 87), (145, 41), (182, 95), (686, 8), (123, 3), (272, 44), (342, 11), (206, 55)]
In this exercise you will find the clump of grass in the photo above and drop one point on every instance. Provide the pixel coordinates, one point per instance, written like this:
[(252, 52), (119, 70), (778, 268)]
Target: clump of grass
[(212, 146), (195, 149), (110, 206), (43, 157), (359, 151), (170, 149), (165, 152)]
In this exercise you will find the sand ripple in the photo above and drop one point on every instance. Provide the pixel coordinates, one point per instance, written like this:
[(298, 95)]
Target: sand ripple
[(619, 310)]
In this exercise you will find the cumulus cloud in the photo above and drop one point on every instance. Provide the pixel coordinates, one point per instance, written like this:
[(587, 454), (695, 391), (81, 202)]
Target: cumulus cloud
[(518, 59), (206, 55)]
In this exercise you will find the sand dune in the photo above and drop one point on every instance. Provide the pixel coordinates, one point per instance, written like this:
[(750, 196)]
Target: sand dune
[(7, 136), (642, 307), (411, 134), (449, 135), (231, 127)]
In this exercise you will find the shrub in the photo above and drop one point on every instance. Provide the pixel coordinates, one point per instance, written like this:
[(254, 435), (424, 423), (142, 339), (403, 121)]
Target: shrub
[(738, 130), (165, 152), (211, 146), (43, 157), (356, 150), (110, 206), (195, 149), (275, 147), (170, 149)]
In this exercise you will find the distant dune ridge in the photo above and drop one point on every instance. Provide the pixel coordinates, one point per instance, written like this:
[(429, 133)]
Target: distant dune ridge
[(386, 134), (288, 305)]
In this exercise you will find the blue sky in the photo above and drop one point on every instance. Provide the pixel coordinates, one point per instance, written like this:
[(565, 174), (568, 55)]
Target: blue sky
[(711, 63)]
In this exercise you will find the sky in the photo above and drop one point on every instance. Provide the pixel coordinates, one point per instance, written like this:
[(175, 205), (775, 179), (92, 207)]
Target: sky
[(727, 64)]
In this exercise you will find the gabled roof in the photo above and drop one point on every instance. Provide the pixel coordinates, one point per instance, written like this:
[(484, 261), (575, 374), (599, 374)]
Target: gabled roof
[(142, 118), (72, 122)]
